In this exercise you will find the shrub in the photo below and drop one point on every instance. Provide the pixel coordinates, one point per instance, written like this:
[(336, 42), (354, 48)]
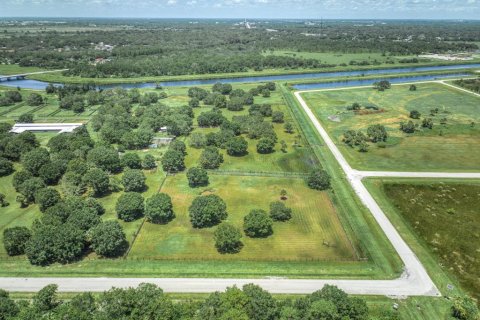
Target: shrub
[(280, 212), (6, 167), (130, 206), (149, 162), (179, 146), (159, 208), (197, 140), (207, 211), (131, 160), (211, 158), (377, 133), (15, 240), (25, 118), (414, 114), (237, 146), (105, 158), (227, 238), (46, 198), (278, 117), (133, 180), (197, 177), (108, 239), (265, 145), (51, 172), (34, 99), (33, 160), (173, 161), (465, 308), (318, 179), (98, 180), (30, 187), (257, 224)]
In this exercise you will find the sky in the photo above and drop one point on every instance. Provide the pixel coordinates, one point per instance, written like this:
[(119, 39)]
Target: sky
[(299, 9)]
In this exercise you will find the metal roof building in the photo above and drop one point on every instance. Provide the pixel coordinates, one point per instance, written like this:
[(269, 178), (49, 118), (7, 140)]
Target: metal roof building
[(45, 127)]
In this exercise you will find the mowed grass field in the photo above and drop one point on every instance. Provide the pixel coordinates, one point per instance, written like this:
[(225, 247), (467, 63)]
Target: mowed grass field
[(454, 146), (313, 233), (445, 216), (49, 111)]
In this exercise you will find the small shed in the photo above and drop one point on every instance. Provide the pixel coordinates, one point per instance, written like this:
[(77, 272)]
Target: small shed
[(160, 141)]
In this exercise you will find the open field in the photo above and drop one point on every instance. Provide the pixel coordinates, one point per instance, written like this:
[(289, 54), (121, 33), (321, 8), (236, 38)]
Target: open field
[(442, 214), (443, 273), (11, 69), (425, 150), (375, 58), (313, 233)]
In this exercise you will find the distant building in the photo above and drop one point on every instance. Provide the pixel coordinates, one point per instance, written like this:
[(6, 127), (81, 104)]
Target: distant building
[(104, 47), (45, 127)]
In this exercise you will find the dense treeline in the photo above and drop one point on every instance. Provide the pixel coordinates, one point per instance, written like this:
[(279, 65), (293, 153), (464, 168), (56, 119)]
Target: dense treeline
[(250, 302), (470, 84), (156, 48), (148, 301)]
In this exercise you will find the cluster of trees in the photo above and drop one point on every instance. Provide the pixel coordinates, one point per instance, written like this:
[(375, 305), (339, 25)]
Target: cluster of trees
[(229, 137), (382, 85), (157, 209), (70, 225), (375, 134), (470, 84), (250, 302), (10, 97), (116, 123), (210, 210), (66, 230), (427, 123)]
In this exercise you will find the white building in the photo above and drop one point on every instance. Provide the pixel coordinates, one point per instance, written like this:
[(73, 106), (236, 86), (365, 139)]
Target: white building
[(45, 127)]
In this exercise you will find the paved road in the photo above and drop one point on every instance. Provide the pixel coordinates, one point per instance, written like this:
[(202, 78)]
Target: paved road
[(414, 281)]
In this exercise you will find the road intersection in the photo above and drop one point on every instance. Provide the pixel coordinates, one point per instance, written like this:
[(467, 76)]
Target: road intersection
[(414, 281)]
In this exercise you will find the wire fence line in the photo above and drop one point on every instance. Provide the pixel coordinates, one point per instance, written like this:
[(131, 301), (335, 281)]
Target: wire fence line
[(259, 173)]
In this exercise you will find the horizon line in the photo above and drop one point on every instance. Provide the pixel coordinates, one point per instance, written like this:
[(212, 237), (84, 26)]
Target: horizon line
[(236, 18)]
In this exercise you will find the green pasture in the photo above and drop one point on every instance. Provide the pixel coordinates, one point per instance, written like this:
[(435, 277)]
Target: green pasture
[(345, 58), (12, 69), (454, 146), (13, 215), (313, 233)]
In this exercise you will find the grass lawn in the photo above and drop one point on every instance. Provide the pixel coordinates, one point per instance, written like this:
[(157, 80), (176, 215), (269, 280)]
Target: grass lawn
[(314, 223), (11, 69), (13, 216), (451, 147), (445, 216), (153, 182)]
